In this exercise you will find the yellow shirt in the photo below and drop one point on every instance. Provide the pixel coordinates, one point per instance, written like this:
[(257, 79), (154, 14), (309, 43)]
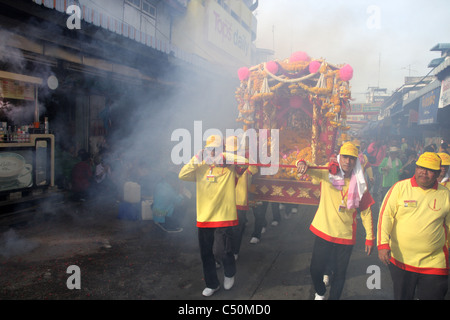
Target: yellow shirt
[(413, 224), (216, 193), (334, 222), (242, 187), (367, 168)]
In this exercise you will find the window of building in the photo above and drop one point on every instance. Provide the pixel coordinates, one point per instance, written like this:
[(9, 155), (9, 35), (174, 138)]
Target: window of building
[(145, 6), (136, 3), (148, 8)]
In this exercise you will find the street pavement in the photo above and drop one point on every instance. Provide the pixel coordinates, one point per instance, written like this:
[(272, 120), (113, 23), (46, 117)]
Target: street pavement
[(136, 260)]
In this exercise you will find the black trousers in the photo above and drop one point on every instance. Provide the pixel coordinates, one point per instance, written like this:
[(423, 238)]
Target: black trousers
[(408, 284), (260, 216), (223, 237), (326, 254), (260, 221), (239, 230)]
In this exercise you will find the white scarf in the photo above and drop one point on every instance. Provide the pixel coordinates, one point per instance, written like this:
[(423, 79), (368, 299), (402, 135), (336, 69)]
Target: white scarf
[(357, 185)]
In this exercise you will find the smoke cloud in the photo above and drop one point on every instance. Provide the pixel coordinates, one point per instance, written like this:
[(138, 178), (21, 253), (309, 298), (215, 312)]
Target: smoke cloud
[(383, 41), (11, 244)]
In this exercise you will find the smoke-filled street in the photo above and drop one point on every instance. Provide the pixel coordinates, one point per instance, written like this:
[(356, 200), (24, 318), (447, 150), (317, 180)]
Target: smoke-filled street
[(224, 150), (123, 259)]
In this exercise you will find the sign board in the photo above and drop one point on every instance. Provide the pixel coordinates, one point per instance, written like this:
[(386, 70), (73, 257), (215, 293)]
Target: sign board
[(13, 89), (428, 107), (444, 101), (227, 34)]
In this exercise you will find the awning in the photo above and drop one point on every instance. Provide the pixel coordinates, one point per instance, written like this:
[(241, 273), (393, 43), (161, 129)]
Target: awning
[(436, 62), (20, 77), (444, 65), (397, 108), (430, 87)]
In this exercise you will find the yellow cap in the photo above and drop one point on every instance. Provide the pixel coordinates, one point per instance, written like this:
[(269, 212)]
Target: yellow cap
[(213, 141), (232, 144), (429, 160), (356, 143), (445, 157), (349, 149)]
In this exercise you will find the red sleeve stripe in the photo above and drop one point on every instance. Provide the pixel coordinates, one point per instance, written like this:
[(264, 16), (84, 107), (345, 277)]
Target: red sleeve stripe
[(382, 212)]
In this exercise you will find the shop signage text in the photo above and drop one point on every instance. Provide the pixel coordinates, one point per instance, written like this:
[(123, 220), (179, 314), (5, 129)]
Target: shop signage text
[(428, 107), (227, 34)]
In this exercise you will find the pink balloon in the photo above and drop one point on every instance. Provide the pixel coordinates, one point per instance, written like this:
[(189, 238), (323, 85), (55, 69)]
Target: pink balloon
[(314, 66), (272, 67), (243, 73), (346, 73), (299, 56)]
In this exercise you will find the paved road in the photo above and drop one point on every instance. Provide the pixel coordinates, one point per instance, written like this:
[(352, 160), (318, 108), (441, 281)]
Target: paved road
[(136, 260)]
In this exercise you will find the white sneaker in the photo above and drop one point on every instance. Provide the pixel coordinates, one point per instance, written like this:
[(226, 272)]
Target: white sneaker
[(236, 256), (326, 280), (254, 240), (318, 297), (274, 223), (208, 292), (228, 283)]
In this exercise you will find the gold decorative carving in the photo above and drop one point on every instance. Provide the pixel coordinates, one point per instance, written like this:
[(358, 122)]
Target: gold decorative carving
[(264, 189), (277, 191), (290, 192), (317, 193), (304, 193)]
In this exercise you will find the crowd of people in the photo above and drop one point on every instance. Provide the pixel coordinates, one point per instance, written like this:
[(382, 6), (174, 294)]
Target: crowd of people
[(87, 176), (413, 219), (406, 182), (392, 160), (106, 176)]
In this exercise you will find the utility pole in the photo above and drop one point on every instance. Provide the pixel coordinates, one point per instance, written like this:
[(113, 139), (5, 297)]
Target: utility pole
[(379, 69), (273, 37)]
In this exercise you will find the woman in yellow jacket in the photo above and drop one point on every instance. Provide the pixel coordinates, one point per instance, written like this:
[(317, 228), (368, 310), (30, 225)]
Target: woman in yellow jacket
[(216, 206), (335, 221)]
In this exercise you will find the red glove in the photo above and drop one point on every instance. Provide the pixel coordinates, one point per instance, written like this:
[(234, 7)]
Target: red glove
[(333, 166)]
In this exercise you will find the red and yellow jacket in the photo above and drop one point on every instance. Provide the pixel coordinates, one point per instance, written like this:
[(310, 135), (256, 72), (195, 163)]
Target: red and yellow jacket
[(336, 223), (216, 191), (242, 187), (413, 224)]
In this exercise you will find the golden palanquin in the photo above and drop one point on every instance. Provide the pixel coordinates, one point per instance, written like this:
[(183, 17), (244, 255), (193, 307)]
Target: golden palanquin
[(307, 100)]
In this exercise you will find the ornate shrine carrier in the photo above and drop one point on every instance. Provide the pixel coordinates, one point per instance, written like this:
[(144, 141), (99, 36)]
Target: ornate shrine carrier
[(307, 100)]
